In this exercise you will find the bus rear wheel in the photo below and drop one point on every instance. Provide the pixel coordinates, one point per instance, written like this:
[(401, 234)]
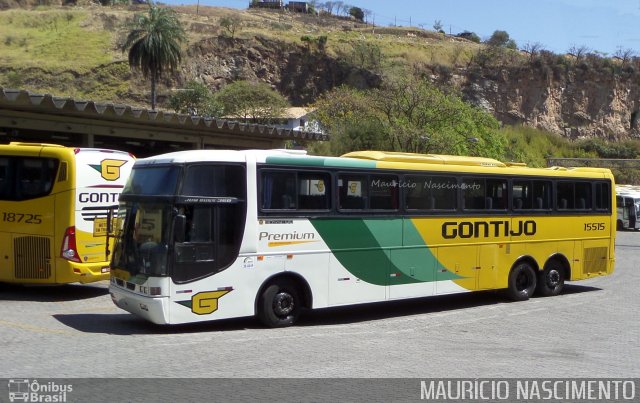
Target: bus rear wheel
[(551, 280), (279, 304), (522, 282)]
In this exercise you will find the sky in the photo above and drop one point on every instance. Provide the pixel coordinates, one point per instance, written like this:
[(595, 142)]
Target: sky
[(606, 26)]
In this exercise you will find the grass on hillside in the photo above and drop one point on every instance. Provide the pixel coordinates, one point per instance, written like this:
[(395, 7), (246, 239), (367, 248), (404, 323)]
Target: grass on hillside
[(53, 40), (534, 146), (57, 50)]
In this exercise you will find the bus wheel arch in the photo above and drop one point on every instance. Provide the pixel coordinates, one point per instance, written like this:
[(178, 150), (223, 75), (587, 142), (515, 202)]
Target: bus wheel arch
[(281, 299), (522, 279), (552, 277)]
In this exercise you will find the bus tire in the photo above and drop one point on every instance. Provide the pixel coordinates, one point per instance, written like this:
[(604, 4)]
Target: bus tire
[(279, 304), (522, 282), (551, 279)]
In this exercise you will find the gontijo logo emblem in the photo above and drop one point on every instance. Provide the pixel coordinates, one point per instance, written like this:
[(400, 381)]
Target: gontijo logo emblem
[(109, 169), (204, 303)]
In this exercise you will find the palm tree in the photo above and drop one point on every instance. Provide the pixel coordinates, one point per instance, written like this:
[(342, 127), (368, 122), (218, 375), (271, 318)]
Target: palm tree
[(153, 43)]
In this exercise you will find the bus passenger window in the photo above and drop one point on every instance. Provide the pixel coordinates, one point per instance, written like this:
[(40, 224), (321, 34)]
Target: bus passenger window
[(314, 190), (5, 183), (583, 195), (430, 192), (541, 195), (522, 194), (352, 192), (278, 190), (565, 199), (35, 177), (496, 196), (603, 196), (383, 192)]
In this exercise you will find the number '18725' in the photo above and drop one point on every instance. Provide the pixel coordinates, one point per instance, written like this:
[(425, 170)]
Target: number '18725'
[(22, 218)]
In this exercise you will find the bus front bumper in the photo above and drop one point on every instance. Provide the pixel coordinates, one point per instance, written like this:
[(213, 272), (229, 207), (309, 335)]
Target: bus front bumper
[(153, 309)]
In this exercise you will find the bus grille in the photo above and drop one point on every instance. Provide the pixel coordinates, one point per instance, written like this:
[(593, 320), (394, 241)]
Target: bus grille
[(32, 257), (595, 260)]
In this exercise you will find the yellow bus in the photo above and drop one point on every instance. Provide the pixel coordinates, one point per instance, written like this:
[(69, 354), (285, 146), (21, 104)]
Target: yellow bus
[(56, 204), (208, 235)]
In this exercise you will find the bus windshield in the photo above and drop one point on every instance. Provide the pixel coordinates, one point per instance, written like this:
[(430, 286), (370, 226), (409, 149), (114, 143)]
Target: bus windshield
[(186, 222), (142, 238)]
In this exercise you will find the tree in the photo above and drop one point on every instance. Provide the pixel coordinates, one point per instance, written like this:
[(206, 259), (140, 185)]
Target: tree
[(533, 49), (249, 100), (231, 24), (357, 13), (500, 39), (409, 115), (579, 51), (153, 44), (320, 41), (328, 6), (367, 55), (437, 26), (195, 99)]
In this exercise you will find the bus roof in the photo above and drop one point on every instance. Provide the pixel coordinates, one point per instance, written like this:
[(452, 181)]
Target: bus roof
[(370, 159), (18, 145), (392, 156)]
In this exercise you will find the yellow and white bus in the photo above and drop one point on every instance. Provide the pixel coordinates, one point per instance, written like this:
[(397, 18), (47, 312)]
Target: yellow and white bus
[(208, 235), (54, 207)]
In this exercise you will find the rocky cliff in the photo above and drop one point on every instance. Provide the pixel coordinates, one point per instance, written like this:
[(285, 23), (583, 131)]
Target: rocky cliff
[(299, 73), (574, 101)]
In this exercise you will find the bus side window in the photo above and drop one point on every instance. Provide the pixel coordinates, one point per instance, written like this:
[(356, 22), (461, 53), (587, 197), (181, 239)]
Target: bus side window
[(541, 195), (5, 182), (35, 177), (603, 197), (278, 190), (583, 195), (383, 192), (522, 193), (352, 192), (565, 198), (517, 203), (314, 190)]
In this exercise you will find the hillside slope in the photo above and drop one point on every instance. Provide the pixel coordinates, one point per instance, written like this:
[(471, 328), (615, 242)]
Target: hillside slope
[(74, 51)]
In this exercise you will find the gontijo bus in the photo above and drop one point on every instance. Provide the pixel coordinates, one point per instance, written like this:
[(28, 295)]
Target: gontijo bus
[(54, 204), (219, 234)]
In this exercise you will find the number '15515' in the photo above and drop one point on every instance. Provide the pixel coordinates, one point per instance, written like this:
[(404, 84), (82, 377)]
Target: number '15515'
[(594, 226)]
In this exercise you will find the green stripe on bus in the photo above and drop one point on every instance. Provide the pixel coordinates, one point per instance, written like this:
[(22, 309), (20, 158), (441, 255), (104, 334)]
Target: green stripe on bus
[(371, 250), (321, 162)]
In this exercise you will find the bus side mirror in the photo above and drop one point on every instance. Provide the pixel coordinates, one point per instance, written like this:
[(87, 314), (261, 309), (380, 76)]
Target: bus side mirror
[(179, 226)]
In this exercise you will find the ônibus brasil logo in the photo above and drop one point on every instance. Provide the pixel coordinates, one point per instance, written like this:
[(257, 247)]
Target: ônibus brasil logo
[(24, 390)]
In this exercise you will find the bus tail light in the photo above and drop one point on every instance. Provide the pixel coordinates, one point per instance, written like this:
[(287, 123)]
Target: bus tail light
[(68, 250)]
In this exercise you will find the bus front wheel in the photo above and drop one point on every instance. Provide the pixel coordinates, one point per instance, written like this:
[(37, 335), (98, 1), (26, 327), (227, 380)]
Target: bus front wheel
[(279, 304), (551, 279), (522, 282)]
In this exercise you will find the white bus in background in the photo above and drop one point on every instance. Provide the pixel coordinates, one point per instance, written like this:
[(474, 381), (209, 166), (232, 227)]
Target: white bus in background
[(628, 202)]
